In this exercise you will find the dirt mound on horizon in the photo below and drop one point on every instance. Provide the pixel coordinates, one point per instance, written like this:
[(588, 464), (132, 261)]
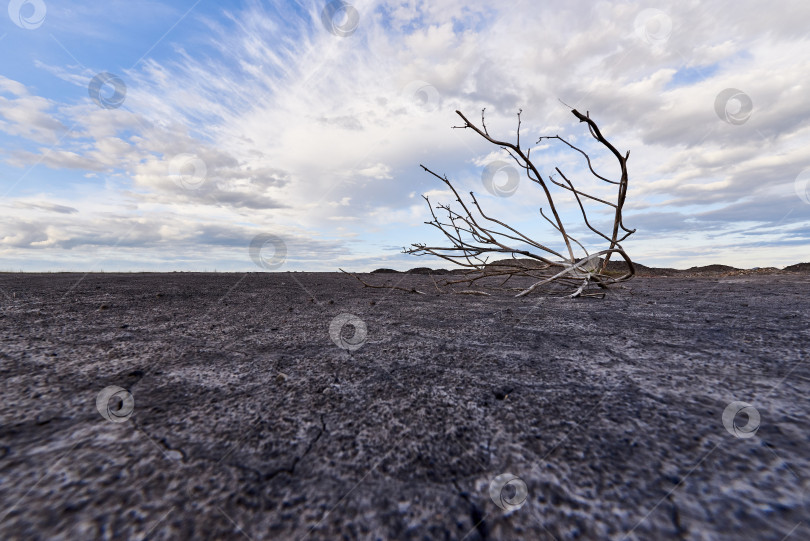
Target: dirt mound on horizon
[(798, 267)]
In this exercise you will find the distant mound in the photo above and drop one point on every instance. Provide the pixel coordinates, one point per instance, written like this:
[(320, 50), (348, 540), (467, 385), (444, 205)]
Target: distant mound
[(420, 270), (427, 270), (712, 268), (641, 270), (798, 267), (620, 264)]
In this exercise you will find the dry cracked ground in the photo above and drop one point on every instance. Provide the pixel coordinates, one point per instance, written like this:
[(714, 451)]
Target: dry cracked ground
[(233, 414)]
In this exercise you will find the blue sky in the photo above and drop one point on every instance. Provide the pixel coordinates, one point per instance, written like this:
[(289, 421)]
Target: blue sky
[(251, 118)]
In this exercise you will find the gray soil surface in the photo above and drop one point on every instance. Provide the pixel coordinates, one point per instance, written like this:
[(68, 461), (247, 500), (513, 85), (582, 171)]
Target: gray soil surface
[(250, 422)]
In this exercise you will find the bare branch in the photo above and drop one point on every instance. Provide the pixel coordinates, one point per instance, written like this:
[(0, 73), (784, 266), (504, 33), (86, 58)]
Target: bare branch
[(474, 235)]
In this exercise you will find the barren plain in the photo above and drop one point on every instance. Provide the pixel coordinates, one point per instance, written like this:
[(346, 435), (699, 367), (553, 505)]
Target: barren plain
[(241, 416)]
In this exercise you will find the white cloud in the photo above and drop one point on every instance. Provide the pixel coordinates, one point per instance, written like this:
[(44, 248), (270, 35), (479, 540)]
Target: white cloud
[(27, 116)]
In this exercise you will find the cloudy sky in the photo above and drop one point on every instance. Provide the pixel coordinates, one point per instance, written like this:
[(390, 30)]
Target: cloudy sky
[(149, 135)]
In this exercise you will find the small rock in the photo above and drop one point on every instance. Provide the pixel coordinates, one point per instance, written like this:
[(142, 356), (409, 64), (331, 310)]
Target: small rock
[(502, 394), (174, 455), (46, 417)]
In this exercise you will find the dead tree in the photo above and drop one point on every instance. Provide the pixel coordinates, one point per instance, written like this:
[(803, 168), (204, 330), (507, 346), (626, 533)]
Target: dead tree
[(475, 236)]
